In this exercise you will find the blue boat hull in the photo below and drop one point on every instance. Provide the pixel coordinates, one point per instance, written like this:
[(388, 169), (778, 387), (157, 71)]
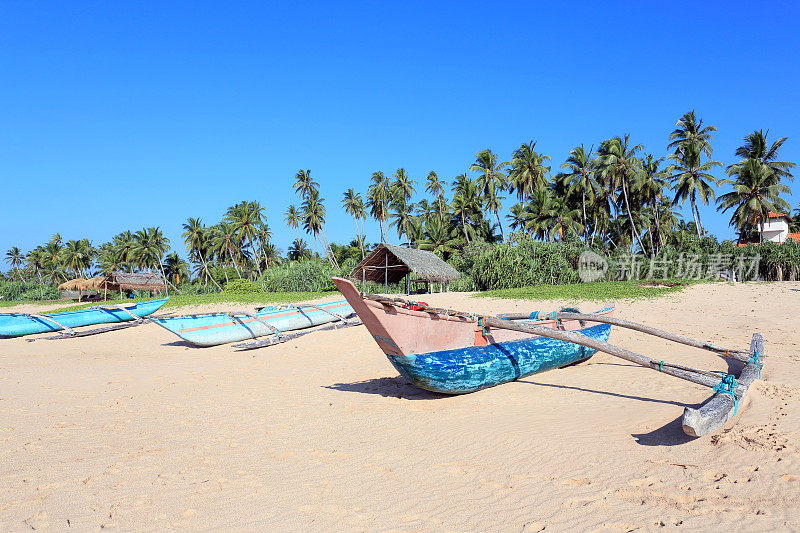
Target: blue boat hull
[(470, 369), (18, 324), (213, 329)]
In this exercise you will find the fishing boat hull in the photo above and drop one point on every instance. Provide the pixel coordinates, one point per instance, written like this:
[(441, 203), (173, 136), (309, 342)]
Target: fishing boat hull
[(19, 324), (213, 329), (455, 355)]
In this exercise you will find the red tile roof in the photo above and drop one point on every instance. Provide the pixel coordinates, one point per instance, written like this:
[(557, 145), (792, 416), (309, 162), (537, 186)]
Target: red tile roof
[(779, 215), (795, 236)]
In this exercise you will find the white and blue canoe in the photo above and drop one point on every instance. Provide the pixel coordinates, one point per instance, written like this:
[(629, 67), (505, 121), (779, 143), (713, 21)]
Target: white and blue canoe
[(18, 324), (212, 329)]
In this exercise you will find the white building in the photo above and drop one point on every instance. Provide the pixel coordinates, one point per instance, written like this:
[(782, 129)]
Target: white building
[(776, 229)]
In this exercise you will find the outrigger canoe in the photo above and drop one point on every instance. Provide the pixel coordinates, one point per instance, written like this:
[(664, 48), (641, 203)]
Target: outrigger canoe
[(457, 354), (18, 324), (212, 329)]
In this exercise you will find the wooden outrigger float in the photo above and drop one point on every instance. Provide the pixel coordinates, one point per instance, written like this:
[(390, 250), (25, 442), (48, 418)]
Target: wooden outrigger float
[(455, 352)]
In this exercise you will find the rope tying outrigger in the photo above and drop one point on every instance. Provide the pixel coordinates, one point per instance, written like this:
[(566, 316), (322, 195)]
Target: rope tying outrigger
[(728, 386)]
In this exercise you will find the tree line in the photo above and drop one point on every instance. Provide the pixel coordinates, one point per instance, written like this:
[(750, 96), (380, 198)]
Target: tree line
[(614, 197)]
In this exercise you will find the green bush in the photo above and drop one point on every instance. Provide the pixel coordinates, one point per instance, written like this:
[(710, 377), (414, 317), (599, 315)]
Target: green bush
[(243, 286), (299, 276), (16, 290)]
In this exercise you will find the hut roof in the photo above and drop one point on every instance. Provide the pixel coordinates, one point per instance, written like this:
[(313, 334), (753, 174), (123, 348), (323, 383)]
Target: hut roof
[(401, 260), (140, 281), (96, 282), (72, 285)]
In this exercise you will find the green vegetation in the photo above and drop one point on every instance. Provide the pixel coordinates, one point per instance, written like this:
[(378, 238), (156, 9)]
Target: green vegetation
[(599, 291)]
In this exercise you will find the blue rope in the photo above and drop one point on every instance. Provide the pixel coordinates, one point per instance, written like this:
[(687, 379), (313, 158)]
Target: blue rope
[(484, 329), (534, 316), (728, 386), (756, 361)]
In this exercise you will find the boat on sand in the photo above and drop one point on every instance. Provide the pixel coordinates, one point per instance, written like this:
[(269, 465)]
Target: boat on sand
[(18, 324), (212, 329)]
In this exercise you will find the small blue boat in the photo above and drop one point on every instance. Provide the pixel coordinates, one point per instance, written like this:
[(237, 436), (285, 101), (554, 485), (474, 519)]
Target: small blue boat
[(212, 329), (456, 354), (18, 324)]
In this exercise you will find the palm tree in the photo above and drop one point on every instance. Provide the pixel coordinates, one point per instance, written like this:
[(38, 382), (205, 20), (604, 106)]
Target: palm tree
[(649, 188), (439, 237), (467, 203), (304, 183), (755, 193), (298, 250), (435, 186), (528, 171), (247, 219), (314, 222), (15, 258), (175, 268), (691, 179), (492, 180), (403, 185), (124, 245), (581, 178), (619, 166), (36, 260), (563, 220), (293, 220), (690, 130), (225, 244), (77, 256), (150, 245), (195, 236), (378, 200), (354, 205), (757, 147)]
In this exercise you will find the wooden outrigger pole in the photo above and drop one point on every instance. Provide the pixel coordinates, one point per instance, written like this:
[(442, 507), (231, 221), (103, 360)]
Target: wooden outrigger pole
[(729, 390)]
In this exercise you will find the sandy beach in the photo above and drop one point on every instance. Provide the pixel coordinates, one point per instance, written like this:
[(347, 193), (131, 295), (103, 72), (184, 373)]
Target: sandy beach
[(136, 430)]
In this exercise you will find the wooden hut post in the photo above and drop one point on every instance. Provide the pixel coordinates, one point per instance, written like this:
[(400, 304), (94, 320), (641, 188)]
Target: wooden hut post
[(363, 279), (386, 273), (408, 282)]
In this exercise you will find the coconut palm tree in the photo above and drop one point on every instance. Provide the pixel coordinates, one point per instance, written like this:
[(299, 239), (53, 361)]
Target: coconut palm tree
[(581, 180), (15, 258), (467, 204), (439, 237), (435, 186), (618, 167), (226, 246), (403, 185), (492, 180), (196, 237), (528, 171), (691, 179), (690, 130), (378, 197), (314, 222), (77, 256), (304, 183), (755, 193), (247, 219), (293, 220), (757, 147), (175, 269), (150, 245), (298, 250), (563, 221), (649, 188), (354, 205)]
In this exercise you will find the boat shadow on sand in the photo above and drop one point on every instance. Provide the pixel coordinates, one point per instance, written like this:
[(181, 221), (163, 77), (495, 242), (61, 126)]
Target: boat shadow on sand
[(397, 387)]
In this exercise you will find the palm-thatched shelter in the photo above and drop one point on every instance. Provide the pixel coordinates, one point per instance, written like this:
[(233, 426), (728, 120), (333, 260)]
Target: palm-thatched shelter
[(72, 285), (388, 263), (135, 281)]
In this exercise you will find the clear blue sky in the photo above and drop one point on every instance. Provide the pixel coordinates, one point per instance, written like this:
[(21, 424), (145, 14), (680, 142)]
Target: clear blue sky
[(122, 115)]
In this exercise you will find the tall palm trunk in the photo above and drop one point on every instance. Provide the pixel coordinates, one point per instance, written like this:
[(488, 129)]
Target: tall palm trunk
[(464, 225), (497, 216), (585, 227), (696, 217), (630, 216), (658, 228), (205, 267), (328, 251)]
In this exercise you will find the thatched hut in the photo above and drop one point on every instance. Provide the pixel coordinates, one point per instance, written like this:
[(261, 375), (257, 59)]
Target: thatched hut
[(72, 285), (388, 263), (135, 281)]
